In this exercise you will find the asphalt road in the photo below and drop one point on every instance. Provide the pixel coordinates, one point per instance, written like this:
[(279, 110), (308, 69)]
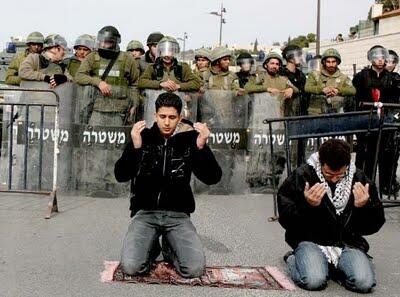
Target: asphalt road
[(63, 256)]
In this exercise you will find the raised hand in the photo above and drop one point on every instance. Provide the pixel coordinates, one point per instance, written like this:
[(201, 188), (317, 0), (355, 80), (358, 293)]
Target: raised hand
[(361, 194), (314, 194), (204, 133), (135, 134)]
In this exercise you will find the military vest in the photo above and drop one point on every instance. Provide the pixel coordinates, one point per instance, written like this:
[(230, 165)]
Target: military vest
[(118, 78), (160, 74), (220, 82), (73, 65)]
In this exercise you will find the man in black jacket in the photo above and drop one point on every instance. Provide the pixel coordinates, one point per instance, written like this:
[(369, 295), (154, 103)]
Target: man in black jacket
[(376, 84), (326, 206), (159, 162)]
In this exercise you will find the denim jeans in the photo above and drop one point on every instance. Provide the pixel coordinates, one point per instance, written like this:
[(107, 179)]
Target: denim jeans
[(310, 269), (181, 244)]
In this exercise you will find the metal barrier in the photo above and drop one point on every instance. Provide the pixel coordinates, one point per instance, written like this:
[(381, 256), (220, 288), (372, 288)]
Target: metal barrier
[(385, 110), (325, 125), (52, 204)]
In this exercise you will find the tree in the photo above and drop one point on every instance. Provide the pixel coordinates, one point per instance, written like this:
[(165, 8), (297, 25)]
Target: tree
[(389, 5), (255, 48), (311, 37)]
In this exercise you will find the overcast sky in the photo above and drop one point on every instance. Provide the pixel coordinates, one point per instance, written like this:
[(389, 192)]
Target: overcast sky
[(246, 20)]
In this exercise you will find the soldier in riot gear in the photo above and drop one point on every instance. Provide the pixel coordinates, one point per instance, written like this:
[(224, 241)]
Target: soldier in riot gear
[(330, 83), (167, 73), (136, 48), (112, 73), (293, 55), (376, 84), (150, 55), (246, 62), (271, 81), (34, 43), (392, 61), (219, 77), (47, 66), (202, 60), (281, 91), (84, 44)]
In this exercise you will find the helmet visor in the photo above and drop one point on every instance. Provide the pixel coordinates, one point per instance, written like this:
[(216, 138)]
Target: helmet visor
[(167, 49), (108, 41), (296, 56), (392, 60), (378, 53)]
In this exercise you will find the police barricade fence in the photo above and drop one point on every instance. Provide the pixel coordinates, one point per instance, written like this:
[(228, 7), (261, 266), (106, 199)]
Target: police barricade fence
[(316, 129), (27, 166), (91, 139)]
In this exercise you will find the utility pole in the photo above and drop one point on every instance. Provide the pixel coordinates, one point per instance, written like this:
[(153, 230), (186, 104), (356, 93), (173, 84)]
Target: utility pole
[(185, 36), (318, 44), (220, 14)]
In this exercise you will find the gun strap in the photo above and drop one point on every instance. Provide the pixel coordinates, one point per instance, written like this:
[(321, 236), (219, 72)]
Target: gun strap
[(108, 69)]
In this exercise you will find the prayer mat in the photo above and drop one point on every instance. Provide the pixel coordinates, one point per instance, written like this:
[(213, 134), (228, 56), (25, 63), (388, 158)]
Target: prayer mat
[(244, 277)]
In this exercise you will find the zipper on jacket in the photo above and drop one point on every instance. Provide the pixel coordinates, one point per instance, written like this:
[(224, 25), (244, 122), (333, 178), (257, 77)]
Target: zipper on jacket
[(163, 173)]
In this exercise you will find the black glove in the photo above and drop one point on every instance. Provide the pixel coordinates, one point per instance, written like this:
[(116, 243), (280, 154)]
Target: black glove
[(47, 78), (59, 79)]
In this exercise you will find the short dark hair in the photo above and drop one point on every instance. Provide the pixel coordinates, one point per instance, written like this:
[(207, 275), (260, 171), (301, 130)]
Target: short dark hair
[(169, 100), (335, 153)]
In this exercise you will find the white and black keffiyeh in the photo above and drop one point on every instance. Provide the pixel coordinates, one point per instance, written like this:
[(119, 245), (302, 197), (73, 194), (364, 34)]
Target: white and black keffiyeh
[(343, 187)]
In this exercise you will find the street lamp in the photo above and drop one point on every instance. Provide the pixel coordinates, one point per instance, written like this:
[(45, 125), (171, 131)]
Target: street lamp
[(222, 21), (185, 36)]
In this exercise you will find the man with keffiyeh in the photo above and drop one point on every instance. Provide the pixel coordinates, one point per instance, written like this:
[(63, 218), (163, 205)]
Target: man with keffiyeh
[(326, 206)]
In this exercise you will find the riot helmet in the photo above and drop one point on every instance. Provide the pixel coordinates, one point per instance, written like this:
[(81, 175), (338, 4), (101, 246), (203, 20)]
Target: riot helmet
[(167, 47), (108, 40), (294, 54), (245, 61), (377, 53), (392, 61), (154, 38)]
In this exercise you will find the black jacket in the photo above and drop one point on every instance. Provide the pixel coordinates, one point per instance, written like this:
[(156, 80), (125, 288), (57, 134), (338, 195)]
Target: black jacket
[(367, 79), (160, 170), (298, 78), (320, 224)]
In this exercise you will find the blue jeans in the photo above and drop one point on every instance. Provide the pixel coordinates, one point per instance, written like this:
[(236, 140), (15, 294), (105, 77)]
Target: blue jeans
[(181, 244), (310, 270)]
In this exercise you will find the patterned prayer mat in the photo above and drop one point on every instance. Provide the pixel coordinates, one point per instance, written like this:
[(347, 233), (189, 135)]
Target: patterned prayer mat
[(263, 278)]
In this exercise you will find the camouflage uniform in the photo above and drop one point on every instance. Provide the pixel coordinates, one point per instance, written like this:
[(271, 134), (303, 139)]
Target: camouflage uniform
[(261, 82), (318, 80), (97, 165), (177, 72), (188, 82), (73, 62), (121, 77), (12, 74), (37, 66)]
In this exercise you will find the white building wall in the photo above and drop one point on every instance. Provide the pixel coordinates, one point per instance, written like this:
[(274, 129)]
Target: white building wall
[(355, 51), (389, 25)]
